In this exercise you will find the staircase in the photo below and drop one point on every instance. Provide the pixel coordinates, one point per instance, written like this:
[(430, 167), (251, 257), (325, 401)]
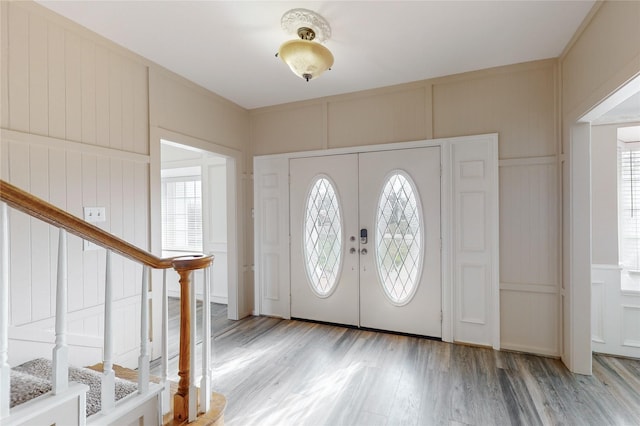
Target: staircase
[(111, 394)]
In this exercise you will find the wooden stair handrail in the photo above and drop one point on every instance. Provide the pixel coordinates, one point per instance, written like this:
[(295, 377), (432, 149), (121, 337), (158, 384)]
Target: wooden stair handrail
[(184, 265), (36, 207)]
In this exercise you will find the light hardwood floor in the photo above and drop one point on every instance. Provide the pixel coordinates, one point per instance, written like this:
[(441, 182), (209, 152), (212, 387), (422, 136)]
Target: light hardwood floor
[(278, 372)]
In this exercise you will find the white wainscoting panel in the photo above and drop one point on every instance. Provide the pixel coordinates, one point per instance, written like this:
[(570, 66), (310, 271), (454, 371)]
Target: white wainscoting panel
[(631, 325), (68, 86), (615, 313), (598, 308), (72, 179), (537, 317), (529, 261), (75, 132)]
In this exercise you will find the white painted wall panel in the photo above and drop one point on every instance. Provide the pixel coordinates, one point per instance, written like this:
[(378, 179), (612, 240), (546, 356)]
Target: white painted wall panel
[(18, 69), (73, 87), (56, 82), (529, 321), (529, 260), (90, 258), (615, 313), (102, 96), (38, 65), (63, 84), (126, 80), (631, 325), (75, 300), (58, 197), (71, 179), (529, 225), (20, 241), (140, 109), (4, 160), (115, 101), (40, 277), (88, 91), (598, 308), (4, 61), (128, 232)]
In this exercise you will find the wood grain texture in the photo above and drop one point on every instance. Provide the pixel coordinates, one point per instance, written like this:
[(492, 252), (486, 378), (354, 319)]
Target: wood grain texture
[(279, 372)]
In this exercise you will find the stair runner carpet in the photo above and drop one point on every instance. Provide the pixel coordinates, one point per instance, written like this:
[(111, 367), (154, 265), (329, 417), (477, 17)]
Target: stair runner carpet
[(33, 378)]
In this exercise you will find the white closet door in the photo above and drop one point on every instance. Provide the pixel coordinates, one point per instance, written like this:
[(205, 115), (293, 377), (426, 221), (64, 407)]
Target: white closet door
[(400, 277), (324, 225)]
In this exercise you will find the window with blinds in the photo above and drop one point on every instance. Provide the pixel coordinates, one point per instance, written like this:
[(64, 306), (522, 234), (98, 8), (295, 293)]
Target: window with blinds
[(629, 193), (182, 213)]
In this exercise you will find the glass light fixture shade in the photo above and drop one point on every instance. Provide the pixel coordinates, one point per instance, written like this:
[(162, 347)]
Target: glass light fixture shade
[(307, 59)]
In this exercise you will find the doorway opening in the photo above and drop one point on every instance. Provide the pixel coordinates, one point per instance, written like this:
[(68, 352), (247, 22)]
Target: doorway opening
[(194, 217), (614, 132)]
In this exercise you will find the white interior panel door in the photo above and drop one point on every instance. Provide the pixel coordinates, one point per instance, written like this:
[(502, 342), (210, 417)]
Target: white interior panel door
[(271, 205), (476, 241), (324, 251), (400, 261)]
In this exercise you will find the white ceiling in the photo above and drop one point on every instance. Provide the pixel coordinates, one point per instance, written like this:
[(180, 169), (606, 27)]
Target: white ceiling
[(229, 46), (625, 112)]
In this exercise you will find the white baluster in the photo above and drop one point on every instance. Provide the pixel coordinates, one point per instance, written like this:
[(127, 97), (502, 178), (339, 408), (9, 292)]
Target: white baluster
[(108, 376), (5, 370), (60, 370), (143, 359), (166, 394), (193, 391), (205, 382)]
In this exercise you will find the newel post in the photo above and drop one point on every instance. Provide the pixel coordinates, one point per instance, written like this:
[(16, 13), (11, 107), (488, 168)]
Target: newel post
[(185, 266)]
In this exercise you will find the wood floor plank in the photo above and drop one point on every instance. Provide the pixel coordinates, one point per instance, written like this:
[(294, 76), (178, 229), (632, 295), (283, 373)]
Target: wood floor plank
[(279, 372)]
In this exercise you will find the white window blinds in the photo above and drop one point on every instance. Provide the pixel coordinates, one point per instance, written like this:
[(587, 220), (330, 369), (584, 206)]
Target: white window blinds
[(182, 213), (629, 193)]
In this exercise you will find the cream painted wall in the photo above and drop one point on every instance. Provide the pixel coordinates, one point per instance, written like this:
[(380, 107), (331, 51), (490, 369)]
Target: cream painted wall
[(183, 107), (74, 132), (604, 201), (602, 57), (76, 113), (519, 102)]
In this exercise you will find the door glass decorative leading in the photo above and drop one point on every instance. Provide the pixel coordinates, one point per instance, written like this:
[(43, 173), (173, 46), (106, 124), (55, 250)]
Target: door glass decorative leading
[(322, 236), (399, 238)]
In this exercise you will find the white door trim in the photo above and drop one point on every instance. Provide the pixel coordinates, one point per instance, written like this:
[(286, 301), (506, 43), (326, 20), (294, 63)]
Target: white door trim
[(277, 161), (576, 292), (234, 205)]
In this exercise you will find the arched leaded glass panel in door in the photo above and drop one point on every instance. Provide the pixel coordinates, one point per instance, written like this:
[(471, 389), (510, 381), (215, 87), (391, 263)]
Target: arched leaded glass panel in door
[(399, 236), (322, 236)]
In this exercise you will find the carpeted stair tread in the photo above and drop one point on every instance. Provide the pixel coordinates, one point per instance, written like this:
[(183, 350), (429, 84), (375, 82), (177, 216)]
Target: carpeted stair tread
[(40, 371), (25, 387)]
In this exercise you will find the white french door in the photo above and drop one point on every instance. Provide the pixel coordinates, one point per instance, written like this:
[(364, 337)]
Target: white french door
[(324, 223), (400, 279), (365, 240)]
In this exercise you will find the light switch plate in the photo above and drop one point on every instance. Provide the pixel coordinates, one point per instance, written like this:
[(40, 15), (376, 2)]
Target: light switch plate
[(95, 214)]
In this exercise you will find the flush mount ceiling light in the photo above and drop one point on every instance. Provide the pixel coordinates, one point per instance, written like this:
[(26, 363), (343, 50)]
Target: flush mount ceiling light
[(306, 57)]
